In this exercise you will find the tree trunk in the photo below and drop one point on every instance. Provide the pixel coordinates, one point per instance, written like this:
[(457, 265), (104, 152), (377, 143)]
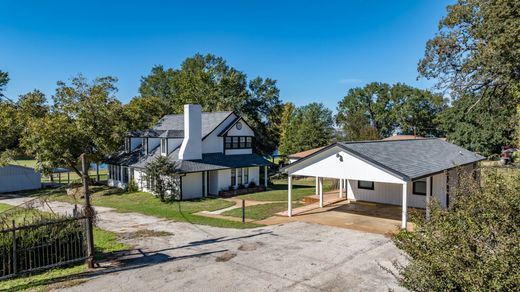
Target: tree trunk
[(97, 172)]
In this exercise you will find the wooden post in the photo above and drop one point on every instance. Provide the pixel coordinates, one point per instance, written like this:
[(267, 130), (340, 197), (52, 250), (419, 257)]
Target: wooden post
[(428, 195), (97, 172), (404, 218), (89, 212), (68, 177), (243, 211), (321, 192), (289, 196)]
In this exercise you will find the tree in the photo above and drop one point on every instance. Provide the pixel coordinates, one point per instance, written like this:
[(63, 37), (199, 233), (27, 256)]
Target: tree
[(142, 112), (476, 47), (163, 178), (209, 81), (286, 116), (310, 126), (4, 79), (472, 246), (484, 128), (476, 56), (85, 118), (378, 110)]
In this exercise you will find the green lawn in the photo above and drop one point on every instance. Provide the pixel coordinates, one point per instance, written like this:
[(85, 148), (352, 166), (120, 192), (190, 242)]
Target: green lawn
[(4, 207), (301, 188), (259, 212), (103, 173), (147, 204)]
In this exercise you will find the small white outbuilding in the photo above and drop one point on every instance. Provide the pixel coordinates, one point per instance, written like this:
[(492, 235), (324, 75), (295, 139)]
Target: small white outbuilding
[(15, 178)]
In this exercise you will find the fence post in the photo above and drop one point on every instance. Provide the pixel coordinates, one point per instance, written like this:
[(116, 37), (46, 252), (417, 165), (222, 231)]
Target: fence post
[(243, 211), (89, 212), (15, 261)]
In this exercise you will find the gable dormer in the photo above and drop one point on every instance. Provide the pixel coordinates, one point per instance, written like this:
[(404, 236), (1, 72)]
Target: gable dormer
[(238, 137)]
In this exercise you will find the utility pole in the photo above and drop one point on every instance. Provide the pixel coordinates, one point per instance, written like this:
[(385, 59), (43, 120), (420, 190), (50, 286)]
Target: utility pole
[(89, 212)]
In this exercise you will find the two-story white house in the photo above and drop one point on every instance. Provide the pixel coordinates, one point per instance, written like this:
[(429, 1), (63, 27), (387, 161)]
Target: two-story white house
[(212, 151)]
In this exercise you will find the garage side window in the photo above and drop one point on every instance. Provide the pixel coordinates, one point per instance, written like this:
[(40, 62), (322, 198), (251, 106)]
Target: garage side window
[(366, 185), (419, 187)]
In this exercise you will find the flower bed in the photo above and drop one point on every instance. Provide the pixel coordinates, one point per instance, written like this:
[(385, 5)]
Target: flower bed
[(237, 192)]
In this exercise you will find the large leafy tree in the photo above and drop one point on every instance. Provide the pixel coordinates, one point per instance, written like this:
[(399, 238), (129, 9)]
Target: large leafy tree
[(378, 110), (209, 81), (4, 79), (84, 118), (309, 126), (472, 246), (476, 56)]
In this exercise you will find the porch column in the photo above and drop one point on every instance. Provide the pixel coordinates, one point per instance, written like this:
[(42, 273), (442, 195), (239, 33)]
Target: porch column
[(404, 219), (317, 186), (289, 196), (340, 188), (321, 192), (205, 177), (348, 192), (428, 194), (265, 177)]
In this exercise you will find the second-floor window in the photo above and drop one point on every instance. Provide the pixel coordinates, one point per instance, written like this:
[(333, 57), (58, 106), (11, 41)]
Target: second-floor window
[(238, 142), (164, 146)]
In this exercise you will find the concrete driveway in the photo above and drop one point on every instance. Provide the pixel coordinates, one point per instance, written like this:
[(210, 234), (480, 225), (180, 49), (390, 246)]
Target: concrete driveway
[(296, 256)]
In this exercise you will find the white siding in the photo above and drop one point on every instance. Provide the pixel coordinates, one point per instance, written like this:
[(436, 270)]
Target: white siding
[(192, 186), (245, 131), (213, 143), (213, 182), (388, 193), (238, 151), (254, 175), (16, 178), (335, 163), (224, 179)]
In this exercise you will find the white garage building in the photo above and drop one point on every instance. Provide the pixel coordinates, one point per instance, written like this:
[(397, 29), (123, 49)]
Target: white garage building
[(15, 178), (403, 172)]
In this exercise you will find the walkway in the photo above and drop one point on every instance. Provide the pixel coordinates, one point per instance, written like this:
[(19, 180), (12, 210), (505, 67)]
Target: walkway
[(297, 256)]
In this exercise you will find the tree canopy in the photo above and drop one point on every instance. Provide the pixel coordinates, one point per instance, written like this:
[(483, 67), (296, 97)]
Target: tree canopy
[(379, 110), (209, 81), (306, 127), (83, 119)]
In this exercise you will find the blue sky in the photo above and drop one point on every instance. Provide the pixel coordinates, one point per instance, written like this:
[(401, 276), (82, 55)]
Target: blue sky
[(316, 50)]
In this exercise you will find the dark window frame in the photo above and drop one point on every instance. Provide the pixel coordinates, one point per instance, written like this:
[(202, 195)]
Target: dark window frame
[(365, 188), (245, 171), (414, 188), (238, 142), (233, 177)]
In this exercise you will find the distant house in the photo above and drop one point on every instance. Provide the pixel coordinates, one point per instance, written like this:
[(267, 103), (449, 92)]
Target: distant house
[(297, 156), (213, 152), (15, 178)]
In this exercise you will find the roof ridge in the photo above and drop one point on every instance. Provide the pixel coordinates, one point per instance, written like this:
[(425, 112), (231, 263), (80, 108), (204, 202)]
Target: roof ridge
[(387, 141)]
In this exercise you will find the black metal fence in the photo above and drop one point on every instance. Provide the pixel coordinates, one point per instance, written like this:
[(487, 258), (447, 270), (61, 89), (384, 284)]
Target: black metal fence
[(40, 242)]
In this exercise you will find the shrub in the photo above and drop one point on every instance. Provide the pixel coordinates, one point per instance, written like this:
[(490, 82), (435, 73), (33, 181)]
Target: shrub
[(472, 246), (231, 188), (132, 186), (241, 187), (252, 184)]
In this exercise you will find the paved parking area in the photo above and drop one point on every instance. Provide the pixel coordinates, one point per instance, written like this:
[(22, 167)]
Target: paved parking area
[(294, 256)]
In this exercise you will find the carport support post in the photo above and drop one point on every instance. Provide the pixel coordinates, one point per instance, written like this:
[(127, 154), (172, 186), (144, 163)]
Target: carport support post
[(428, 194), (317, 186), (265, 177), (340, 188), (321, 192), (404, 219), (289, 196)]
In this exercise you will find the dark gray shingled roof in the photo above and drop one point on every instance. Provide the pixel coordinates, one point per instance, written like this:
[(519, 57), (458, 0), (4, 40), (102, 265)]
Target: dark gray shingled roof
[(210, 121), (209, 161), (407, 159)]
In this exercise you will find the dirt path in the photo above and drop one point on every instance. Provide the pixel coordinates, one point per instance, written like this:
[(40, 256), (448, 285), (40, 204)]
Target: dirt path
[(296, 256)]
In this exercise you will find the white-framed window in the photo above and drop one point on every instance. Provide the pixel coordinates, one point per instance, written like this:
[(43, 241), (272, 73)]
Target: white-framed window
[(365, 185), (164, 146), (246, 175), (239, 176)]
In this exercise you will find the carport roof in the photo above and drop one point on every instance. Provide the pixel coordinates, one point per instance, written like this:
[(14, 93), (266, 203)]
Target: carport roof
[(406, 159)]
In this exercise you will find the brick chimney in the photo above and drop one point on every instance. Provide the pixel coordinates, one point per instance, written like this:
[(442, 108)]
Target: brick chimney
[(191, 147)]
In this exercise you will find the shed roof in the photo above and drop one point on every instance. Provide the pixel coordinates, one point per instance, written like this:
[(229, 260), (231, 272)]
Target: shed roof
[(305, 153), (406, 159)]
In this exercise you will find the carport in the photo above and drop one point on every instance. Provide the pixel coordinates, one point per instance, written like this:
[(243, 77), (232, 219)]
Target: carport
[(408, 173)]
